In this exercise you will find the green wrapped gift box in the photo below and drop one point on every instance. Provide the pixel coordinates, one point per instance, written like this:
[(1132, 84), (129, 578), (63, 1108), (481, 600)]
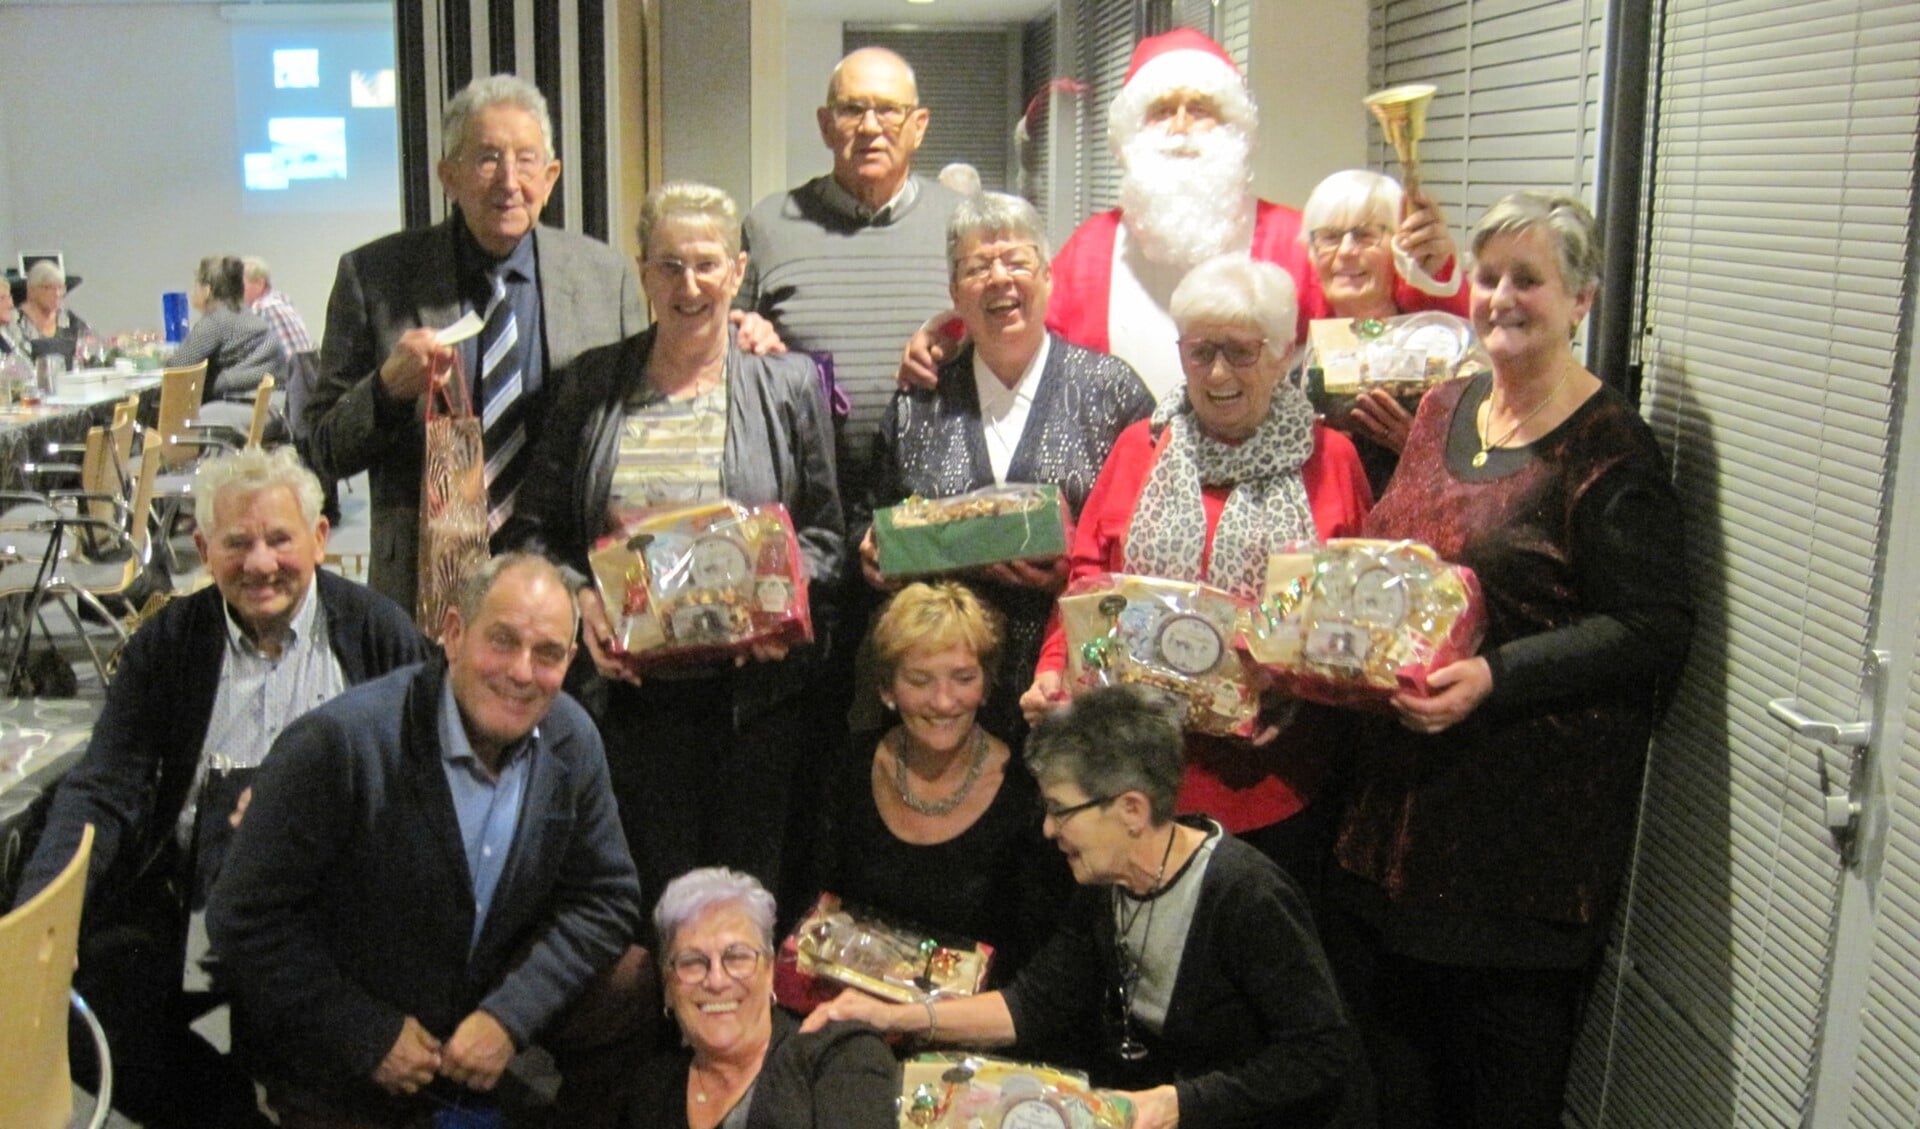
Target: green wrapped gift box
[(928, 536)]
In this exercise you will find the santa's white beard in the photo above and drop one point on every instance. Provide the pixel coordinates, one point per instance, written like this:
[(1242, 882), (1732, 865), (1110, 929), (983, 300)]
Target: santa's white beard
[(1185, 198)]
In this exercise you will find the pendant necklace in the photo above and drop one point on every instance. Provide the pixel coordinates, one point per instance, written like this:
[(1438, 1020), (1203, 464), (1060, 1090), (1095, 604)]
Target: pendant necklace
[(1129, 1047), (1480, 458), (898, 746)]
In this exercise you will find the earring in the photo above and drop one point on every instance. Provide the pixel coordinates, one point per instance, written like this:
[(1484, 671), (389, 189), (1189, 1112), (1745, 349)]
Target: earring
[(886, 701)]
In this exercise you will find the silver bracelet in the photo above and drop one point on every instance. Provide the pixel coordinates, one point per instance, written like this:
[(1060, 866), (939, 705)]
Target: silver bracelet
[(928, 1004)]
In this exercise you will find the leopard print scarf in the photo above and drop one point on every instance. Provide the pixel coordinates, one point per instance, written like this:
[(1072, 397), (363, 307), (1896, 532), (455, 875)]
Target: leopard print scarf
[(1266, 510)]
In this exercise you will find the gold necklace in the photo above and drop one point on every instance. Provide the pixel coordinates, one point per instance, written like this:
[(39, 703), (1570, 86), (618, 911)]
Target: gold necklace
[(1480, 457)]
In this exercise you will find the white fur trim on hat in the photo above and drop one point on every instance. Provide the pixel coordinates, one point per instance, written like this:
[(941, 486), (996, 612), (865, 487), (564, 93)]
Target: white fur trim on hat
[(1173, 70)]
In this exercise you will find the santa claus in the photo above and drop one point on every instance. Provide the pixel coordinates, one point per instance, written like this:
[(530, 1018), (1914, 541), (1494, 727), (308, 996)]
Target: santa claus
[(1182, 130)]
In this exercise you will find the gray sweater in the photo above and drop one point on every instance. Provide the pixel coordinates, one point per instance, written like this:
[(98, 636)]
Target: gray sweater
[(857, 287), (239, 348)]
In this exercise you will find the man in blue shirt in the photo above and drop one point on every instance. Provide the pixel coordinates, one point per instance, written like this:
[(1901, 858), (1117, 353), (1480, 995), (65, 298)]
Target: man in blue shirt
[(431, 871)]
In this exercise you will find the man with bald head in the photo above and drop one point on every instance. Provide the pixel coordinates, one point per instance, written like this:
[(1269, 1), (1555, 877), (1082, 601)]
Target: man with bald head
[(849, 263)]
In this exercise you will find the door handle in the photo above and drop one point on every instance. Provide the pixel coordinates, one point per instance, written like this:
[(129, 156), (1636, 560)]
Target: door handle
[(1845, 734), (1841, 806)]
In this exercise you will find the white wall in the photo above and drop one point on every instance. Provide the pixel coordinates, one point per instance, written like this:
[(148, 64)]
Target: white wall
[(1308, 72), (6, 182), (119, 150), (813, 47)]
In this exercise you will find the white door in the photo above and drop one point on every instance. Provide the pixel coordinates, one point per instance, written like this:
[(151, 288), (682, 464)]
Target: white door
[(1754, 980)]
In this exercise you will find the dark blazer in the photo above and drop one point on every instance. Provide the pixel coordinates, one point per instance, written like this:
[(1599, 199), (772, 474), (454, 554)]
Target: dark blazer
[(133, 781), (842, 1076), (589, 296), (346, 904)]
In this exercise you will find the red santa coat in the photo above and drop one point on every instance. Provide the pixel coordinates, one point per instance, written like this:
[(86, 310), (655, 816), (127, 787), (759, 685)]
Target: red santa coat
[(1083, 276)]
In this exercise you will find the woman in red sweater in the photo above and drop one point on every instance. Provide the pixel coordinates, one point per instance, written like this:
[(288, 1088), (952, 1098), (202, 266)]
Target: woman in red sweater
[(1227, 472)]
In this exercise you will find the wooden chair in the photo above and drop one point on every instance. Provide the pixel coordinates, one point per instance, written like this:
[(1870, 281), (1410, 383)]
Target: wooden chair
[(121, 551), (173, 491), (38, 943), (180, 392)]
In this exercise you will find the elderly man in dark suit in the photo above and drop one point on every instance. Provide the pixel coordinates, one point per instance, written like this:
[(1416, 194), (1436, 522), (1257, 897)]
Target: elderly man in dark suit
[(546, 296), (431, 870), (203, 689)]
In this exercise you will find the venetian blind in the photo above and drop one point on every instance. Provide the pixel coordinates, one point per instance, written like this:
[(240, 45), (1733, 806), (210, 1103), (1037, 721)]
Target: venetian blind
[(1035, 155), (1106, 32), (1780, 217), (1518, 99), (965, 80)]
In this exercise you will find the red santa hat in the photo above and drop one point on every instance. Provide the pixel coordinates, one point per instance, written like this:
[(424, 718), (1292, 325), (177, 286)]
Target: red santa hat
[(1181, 59)]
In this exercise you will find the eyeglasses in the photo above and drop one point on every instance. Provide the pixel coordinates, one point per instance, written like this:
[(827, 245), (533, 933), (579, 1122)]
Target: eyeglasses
[(1061, 815), (527, 163), (1365, 237), (1199, 355), (1020, 262), (704, 270), (737, 961), (890, 115)]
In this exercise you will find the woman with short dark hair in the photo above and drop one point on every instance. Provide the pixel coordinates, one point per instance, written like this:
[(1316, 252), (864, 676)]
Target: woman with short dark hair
[(1185, 970)]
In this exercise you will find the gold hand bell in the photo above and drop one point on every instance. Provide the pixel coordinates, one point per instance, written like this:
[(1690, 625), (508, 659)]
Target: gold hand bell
[(1402, 113)]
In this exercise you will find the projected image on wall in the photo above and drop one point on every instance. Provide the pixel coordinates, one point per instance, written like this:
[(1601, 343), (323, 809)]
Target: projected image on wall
[(315, 108), (297, 69), (372, 90), (303, 149)]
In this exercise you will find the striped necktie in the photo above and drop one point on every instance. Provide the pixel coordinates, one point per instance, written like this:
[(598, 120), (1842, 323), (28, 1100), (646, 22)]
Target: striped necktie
[(503, 405)]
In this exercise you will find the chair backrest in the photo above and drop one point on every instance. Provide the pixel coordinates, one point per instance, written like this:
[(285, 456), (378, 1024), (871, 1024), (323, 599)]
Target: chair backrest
[(262, 408), (120, 442), (180, 390), (37, 946), (97, 472)]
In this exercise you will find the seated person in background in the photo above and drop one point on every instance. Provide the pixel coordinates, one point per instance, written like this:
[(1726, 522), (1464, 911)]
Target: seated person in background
[(49, 327), (1218, 1012), (203, 689), (939, 828), (1017, 404), (237, 344), (744, 1064), (1350, 227), (431, 871), (303, 361), (13, 341)]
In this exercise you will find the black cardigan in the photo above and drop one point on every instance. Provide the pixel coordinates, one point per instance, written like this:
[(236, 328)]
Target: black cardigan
[(1255, 1034), (140, 763), (839, 1077)]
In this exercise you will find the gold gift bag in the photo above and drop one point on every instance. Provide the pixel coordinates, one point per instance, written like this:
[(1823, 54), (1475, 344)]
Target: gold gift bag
[(453, 497)]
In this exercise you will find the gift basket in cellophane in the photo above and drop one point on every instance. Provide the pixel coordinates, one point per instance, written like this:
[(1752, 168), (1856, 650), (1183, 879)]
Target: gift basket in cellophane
[(961, 1091), (839, 945), (689, 583), (1403, 355), (1356, 621), (1175, 635), (928, 536)]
